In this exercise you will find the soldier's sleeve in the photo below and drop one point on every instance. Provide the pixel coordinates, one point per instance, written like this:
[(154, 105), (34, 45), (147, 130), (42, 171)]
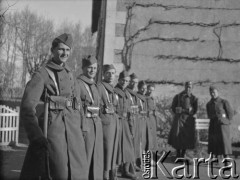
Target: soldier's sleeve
[(30, 100), (228, 110), (208, 110), (195, 105), (100, 91), (83, 121), (174, 103)]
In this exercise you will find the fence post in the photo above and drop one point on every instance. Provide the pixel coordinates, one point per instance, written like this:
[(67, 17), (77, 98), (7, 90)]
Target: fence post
[(18, 118)]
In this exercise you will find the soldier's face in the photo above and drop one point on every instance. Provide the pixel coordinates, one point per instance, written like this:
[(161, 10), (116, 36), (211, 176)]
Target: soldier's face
[(123, 82), (188, 89), (90, 71), (214, 93), (109, 76), (61, 53), (133, 83), (143, 89), (150, 90)]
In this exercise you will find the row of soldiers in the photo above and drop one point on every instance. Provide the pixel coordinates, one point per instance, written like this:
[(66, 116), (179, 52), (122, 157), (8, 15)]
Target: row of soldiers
[(92, 129)]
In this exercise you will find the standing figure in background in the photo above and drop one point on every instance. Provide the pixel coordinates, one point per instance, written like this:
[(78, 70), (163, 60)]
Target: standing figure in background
[(54, 85), (220, 114), (152, 115), (93, 134), (146, 137), (126, 148), (109, 121), (182, 133), (134, 118)]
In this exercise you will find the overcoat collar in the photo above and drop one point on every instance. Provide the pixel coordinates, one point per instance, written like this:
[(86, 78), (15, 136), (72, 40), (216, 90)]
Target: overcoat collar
[(183, 93), (142, 97), (51, 64), (108, 86), (216, 100), (119, 91), (86, 79), (131, 92)]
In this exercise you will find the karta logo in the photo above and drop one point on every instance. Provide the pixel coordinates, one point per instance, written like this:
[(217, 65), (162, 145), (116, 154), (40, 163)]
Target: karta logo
[(151, 167)]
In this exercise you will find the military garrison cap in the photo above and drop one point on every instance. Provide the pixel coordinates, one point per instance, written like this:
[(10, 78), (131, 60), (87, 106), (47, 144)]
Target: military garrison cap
[(107, 67), (123, 74), (188, 83), (89, 60), (133, 76), (65, 39), (211, 88)]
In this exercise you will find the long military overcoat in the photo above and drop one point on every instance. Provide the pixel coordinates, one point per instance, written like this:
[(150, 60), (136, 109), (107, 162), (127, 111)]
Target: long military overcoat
[(67, 154), (151, 108), (126, 148), (134, 101), (93, 135), (220, 114), (182, 133), (146, 136), (110, 125)]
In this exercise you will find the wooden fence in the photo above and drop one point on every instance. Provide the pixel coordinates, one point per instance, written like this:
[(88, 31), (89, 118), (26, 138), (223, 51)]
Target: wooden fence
[(9, 125), (201, 124)]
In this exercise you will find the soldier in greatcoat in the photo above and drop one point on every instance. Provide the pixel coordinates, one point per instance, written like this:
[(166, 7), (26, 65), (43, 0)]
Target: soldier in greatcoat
[(109, 121), (126, 148), (146, 136), (134, 101), (220, 114), (55, 85), (152, 115), (182, 133), (93, 135)]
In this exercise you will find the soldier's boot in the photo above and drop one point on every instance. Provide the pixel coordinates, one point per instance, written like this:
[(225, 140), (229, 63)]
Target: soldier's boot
[(138, 164), (113, 174), (106, 175), (127, 172)]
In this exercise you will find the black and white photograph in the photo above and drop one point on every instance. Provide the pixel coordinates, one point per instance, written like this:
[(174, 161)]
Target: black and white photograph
[(119, 89)]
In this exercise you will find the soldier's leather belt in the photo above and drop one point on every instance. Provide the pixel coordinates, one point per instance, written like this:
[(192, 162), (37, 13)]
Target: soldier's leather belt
[(59, 102)]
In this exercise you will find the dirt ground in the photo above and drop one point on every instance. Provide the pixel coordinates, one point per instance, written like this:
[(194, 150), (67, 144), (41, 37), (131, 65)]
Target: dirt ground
[(12, 160)]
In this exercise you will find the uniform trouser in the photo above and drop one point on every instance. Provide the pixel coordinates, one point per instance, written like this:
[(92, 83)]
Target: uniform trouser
[(94, 148), (146, 143), (110, 144), (137, 138), (153, 129), (126, 149)]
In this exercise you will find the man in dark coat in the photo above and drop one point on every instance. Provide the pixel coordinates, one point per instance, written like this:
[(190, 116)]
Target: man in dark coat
[(93, 135), (134, 102), (64, 142), (182, 133), (220, 114), (126, 148), (109, 121)]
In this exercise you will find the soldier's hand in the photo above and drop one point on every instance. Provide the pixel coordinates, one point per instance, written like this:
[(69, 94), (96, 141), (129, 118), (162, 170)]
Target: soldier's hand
[(40, 145)]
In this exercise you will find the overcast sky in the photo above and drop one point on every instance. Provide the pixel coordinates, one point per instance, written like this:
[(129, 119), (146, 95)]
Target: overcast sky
[(57, 10)]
